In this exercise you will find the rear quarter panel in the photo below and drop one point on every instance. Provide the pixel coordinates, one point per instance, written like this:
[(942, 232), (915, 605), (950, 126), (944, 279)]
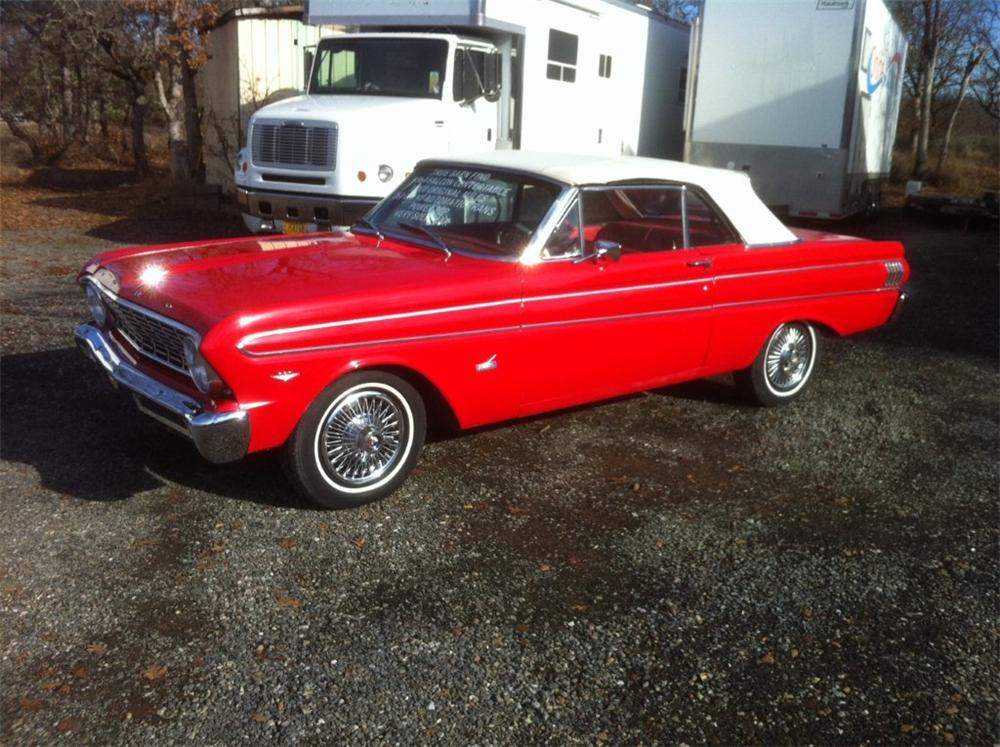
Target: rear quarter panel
[(836, 281)]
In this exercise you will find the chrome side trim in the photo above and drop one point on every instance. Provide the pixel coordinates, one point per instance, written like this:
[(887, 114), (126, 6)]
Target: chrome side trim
[(249, 339), (389, 341), (618, 317), (622, 289), (792, 299), (568, 322), (219, 436), (811, 268)]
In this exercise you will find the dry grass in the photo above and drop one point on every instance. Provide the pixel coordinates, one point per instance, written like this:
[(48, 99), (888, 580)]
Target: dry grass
[(972, 168)]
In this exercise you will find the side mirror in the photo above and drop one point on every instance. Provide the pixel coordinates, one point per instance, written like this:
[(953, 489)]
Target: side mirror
[(471, 86), (602, 248), (492, 85)]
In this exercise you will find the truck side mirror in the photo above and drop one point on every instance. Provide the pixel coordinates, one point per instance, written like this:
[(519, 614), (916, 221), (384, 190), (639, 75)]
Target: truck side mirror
[(471, 87), (492, 84)]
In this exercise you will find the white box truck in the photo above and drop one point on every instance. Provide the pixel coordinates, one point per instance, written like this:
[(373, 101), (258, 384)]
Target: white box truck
[(803, 95), (411, 79)]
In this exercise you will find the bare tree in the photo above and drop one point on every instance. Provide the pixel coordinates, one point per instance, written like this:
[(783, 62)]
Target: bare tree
[(976, 55), (680, 10), (986, 83), (43, 80), (945, 38)]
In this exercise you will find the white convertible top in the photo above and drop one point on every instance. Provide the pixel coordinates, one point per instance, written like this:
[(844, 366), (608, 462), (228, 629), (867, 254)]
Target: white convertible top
[(731, 190)]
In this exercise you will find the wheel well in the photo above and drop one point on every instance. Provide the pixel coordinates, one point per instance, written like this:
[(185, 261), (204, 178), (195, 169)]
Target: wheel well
[(440, 415), (826, 329)]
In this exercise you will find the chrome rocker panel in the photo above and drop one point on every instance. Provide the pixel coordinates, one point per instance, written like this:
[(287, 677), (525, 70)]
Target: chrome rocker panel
[(219, 436)]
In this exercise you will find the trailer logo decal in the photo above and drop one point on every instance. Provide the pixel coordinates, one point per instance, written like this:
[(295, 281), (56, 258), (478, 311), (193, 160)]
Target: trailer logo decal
[(878, 70)]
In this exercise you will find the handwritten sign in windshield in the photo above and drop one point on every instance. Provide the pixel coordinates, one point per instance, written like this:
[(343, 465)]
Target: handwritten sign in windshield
[(456, 196)]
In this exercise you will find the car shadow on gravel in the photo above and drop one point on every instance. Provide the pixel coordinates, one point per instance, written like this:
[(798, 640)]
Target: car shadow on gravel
[(88, 441)]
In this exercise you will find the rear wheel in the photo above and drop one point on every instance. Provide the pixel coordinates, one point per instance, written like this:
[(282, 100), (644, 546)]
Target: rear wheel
[(783, 366), (358, 440)]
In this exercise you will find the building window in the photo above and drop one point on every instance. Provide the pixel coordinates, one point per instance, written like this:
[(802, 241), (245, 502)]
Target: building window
[(604, 68), (562, 56)]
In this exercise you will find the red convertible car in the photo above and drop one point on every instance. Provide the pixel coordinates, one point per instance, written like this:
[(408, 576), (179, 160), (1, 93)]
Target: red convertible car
[(482, 289)]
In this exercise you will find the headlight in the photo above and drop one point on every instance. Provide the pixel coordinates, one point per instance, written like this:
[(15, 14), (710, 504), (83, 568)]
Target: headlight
[(96, 303), (202, 374), (384, 172), (242, 165)]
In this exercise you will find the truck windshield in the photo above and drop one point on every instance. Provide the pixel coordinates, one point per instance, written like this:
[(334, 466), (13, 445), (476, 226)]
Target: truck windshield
[(380, 67), (468, 209)]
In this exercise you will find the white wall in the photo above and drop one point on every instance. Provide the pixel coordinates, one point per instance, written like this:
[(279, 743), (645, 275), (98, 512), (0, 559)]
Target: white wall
[(252, 62), (773, 72)]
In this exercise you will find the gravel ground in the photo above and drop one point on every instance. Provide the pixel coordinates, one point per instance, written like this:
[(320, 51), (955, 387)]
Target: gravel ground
[(670, 567)]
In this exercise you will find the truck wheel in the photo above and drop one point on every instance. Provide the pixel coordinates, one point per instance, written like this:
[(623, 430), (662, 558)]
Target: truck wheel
[(358, 440), (783, 366)]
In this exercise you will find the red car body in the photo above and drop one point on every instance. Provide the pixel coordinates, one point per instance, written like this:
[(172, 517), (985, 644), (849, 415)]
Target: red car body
[(280, 318), (329, 304)]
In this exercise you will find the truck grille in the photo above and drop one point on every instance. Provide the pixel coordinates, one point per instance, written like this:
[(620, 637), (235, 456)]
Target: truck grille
[(295, 145), (150, 336)]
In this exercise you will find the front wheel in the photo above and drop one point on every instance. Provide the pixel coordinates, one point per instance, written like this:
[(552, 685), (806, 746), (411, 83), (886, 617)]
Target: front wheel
[(783, 366), (358, 440)]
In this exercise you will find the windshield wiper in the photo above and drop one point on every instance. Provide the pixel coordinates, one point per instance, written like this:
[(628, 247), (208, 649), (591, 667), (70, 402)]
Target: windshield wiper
[(429, 233), (365, 223)]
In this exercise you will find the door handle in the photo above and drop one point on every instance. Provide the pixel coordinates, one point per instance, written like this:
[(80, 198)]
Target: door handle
[(699, 263)]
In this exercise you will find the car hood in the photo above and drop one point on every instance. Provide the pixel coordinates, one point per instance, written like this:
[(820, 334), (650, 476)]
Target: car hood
[(340, 108), (252, 284)]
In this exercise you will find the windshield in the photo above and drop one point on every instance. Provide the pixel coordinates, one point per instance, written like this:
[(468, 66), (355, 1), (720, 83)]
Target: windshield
[(475, 210), (380, 67)]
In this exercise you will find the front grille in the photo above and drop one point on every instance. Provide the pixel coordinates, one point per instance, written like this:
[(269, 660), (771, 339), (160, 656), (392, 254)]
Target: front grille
[(295, 145), (150, 336)]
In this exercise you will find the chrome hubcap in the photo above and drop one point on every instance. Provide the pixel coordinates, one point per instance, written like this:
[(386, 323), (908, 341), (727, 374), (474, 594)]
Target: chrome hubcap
[(362, 437), (788, 357)]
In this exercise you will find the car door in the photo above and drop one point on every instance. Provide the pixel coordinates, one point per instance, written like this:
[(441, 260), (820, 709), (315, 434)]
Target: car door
[(595, 324)]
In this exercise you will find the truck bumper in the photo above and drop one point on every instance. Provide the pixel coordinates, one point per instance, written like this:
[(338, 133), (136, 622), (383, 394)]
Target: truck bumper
[(220, 436), (269, 211)]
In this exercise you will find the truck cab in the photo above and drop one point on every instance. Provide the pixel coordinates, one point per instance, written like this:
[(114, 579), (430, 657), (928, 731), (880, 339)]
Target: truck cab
[(375, 104)]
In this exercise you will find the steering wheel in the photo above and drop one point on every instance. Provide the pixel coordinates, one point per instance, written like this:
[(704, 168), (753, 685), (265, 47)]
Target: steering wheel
[(510, 234)]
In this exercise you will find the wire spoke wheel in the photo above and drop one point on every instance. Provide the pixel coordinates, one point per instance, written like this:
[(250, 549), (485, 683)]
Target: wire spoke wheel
[(783, 367), (363, 436), (788, 357)]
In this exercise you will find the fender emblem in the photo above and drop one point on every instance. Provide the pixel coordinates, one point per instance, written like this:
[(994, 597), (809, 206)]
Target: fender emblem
[(487, 365), (285, 375)]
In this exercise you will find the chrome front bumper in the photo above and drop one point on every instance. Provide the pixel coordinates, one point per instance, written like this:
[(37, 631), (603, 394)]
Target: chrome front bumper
[(219, 436)]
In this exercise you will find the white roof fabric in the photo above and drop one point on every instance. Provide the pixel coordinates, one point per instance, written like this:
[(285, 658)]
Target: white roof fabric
[(731, 190)]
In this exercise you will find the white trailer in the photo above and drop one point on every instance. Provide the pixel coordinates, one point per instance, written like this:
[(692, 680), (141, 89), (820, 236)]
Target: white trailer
[(413, 79), (803, 95)]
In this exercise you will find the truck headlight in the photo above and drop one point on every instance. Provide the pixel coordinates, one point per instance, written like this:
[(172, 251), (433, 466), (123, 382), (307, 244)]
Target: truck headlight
[(96, 304), (242, 165), (384, 172), (202, 374)]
